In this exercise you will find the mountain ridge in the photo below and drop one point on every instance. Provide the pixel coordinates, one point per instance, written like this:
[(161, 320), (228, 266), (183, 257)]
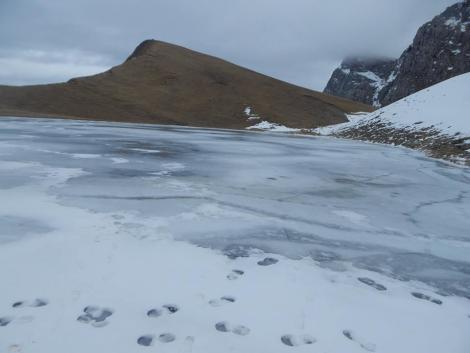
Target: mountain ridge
[(168, 84), (440, 50)]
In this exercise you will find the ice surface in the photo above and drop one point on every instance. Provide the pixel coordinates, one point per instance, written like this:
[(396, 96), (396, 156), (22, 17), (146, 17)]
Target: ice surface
[(320, 244)]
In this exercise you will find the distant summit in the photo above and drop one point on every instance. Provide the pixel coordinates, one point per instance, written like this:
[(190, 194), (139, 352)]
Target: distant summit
[(361, 79), (440, 50), (147, 47), (164, 83)]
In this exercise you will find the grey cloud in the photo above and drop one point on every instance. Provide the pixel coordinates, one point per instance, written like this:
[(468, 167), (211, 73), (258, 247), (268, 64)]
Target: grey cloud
[(300, 41)]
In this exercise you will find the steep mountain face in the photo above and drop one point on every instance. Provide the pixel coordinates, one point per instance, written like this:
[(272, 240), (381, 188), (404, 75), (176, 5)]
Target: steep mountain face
[(167, 84), (440, 50), (361, 80)]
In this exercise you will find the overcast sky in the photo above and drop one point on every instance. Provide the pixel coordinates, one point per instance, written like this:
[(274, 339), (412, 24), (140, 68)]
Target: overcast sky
[(300, 41)]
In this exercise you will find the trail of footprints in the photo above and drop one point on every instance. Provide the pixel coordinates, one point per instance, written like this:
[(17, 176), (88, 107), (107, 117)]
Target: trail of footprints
[(98, 316)]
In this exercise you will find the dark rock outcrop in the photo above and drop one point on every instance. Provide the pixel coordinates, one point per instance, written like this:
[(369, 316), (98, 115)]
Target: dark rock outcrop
[(361, 80), (440, 50)]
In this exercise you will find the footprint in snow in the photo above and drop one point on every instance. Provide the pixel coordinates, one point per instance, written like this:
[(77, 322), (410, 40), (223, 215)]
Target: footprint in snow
[(148, 340), (426, 297), (36, 303), (166, 337), (297, 340), (165, 309), (235, 274), (370, 282), (222, 301), (4, 321), (14, 348), (225, 326), (268, 261), (95, 316), (234, 251), (352, 337)]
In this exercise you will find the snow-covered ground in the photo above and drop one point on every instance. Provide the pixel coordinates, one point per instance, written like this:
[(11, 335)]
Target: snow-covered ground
[(444, 107), (435, 120), (136, 238), (272, 127)]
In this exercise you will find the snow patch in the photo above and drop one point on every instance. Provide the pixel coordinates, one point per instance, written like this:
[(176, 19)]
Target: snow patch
[(443, 107), (266, 125), (370, 75), (377, 83), (249, 113), (453, 22)]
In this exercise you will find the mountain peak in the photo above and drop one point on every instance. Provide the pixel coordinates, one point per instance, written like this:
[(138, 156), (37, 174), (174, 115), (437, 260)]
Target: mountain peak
[(440, 50), (355, 61), (147, 47), (361, 78), (169, 84)]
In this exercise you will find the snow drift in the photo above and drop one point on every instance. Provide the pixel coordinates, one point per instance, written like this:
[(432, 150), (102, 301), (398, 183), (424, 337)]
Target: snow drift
[(435, 119)]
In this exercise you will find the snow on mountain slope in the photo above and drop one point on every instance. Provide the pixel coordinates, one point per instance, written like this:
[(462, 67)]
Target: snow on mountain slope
[(436, 119), (444, 107)]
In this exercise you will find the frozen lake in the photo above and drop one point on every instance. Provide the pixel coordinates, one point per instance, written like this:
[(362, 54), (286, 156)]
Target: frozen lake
[(91, 211)]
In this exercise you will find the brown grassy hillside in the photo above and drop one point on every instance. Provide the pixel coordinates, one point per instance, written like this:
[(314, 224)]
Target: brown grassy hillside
[(168, 84)]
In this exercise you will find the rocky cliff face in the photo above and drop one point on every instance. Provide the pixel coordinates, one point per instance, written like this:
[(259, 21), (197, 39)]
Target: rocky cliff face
[(440, 50), (361, 79)]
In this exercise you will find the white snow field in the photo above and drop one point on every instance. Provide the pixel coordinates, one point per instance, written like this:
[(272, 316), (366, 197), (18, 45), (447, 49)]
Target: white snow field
[(443, 107), (134, 238)]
